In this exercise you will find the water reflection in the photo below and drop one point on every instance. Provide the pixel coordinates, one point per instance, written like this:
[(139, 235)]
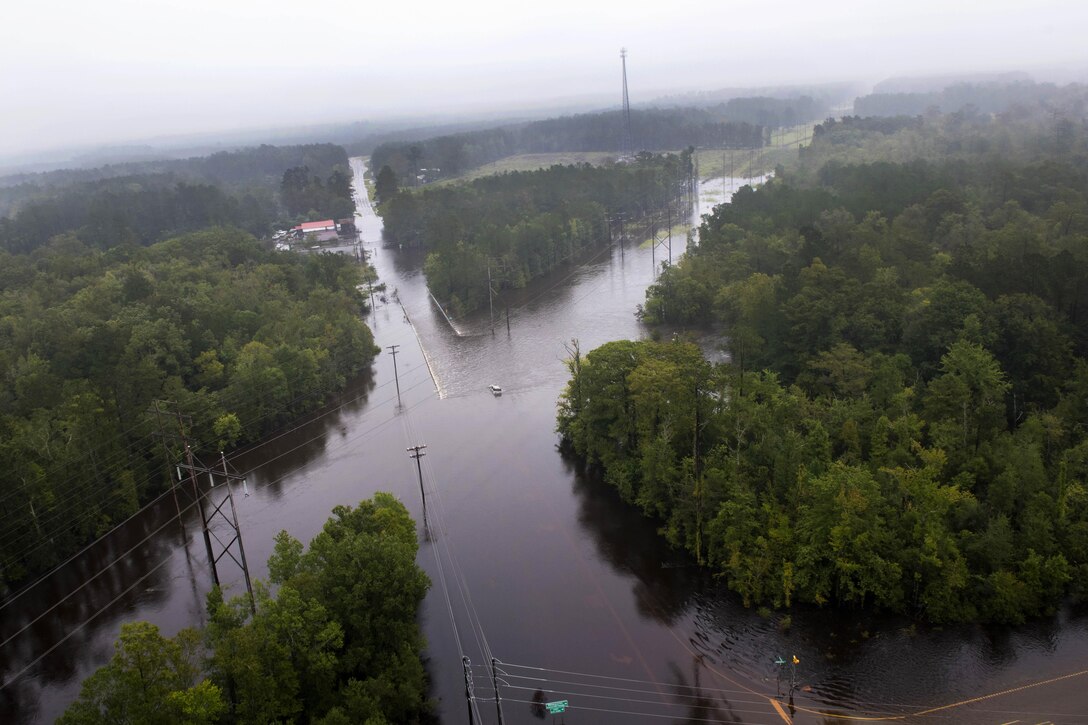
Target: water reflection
[(274, 460), (664, 579)]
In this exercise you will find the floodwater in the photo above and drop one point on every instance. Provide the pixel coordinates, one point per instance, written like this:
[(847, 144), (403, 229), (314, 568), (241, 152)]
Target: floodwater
[(532, 561)]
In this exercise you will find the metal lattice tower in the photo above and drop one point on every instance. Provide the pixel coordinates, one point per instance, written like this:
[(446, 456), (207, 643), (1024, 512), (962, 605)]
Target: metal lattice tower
[(626, 150)]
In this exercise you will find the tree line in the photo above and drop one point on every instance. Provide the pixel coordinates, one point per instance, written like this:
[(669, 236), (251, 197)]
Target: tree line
[(337, 642), (902, 419), (972, 98), (244, 339), (525, 224), (142, 203), (451, 155), (256, 166)]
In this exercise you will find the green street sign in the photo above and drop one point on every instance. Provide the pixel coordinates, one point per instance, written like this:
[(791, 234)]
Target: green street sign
[(556, 707)]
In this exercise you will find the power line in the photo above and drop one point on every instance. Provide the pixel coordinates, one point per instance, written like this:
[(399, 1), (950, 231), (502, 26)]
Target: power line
[(322, 434), (72, 502), (715, 690), (646, 714), (87, 581), (310, 420), (79, 553), (83, 624), (656, 703), (217, 397), (78, 498)]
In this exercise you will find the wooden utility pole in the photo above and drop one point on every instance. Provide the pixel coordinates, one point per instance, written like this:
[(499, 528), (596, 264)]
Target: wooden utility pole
[(490, 297), (416, 452), (495, 684), (466, 663), (393, 349)]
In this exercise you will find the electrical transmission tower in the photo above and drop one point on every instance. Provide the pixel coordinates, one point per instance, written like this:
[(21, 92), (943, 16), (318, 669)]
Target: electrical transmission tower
[(204, 499), (234, 529), (626, 150)]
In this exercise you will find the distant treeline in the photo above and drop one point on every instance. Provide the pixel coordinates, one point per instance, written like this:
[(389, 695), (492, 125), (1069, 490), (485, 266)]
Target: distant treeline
[(244, 339), (250, 179), (839, 130), (251, 190), (134, 210), (258, 164), (449, 156), (983, 98), (525, 224), (771, 112)]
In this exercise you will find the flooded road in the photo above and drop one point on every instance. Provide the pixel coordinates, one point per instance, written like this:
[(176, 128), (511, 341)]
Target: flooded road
[(531, 561)]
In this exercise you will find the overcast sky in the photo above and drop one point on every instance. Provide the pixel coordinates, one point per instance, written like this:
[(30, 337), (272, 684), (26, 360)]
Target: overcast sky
[(83, 71)]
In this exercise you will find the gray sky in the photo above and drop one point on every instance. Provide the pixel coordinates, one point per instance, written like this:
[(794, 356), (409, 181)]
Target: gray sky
[(81, 71)]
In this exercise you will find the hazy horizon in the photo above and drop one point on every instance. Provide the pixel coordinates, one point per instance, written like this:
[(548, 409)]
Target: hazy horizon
[(122, 71)]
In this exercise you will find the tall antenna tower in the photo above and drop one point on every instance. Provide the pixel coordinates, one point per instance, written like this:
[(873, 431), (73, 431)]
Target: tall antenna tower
[(626, 108)]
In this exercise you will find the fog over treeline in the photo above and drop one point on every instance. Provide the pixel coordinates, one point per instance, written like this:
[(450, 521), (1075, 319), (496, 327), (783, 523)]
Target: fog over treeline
[(154, 70)]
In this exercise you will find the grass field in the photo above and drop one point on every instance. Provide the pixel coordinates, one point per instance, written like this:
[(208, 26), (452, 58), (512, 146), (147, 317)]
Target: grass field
[(531, 162), (712, 162)]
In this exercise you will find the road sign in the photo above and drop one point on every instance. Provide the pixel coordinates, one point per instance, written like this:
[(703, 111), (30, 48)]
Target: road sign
[(556, 707)]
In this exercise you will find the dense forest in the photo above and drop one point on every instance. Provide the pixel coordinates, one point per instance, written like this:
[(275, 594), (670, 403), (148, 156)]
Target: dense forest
[(253, 189), (524, 224), (903, 419), (338, 641), (242, 338), (652, 129), (253, 166)]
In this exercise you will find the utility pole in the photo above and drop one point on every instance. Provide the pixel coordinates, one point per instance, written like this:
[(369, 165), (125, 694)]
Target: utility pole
[(490, 295), (466, 663), (396, 378), (416, 452), (495, 683), (724, 197), (626, 149), (670, 235), (653, 245)]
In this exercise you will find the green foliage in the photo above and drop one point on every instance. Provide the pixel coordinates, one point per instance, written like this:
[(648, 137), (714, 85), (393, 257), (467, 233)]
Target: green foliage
[(244, 339), (150, 679), (385, 184), (902, 422), (520, 225), (338, 641), (304, 193)]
